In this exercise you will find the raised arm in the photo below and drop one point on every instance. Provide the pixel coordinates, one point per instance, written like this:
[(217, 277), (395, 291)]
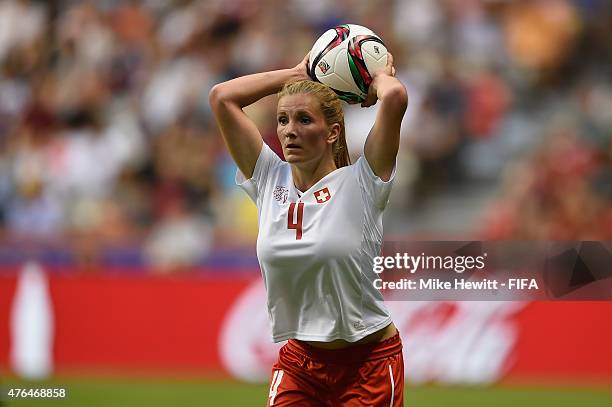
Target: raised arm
[(382, 143), (227, 100)]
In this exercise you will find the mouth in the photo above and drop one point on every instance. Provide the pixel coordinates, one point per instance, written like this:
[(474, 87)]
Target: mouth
[(292, 146)]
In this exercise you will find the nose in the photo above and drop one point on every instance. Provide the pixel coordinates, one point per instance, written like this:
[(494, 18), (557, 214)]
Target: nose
[(289, 131)]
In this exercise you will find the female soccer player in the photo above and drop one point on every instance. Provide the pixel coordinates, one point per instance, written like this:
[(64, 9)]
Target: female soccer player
[(320, 227)]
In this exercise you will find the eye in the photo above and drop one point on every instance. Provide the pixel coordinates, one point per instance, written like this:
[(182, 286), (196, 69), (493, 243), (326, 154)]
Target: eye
[(305, 120), (282, 120)]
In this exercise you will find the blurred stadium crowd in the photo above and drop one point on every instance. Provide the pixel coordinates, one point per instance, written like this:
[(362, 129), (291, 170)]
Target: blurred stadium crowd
[(107, 141)]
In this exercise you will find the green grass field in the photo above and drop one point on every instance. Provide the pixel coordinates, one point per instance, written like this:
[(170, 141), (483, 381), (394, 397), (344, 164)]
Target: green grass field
[(117, 392)]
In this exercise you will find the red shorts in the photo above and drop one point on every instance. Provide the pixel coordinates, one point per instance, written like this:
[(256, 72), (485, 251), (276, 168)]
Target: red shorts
[(361, 375)]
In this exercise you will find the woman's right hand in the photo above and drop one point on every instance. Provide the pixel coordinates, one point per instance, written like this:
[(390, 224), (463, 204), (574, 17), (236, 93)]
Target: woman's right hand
[(301, 69), (228, 99)]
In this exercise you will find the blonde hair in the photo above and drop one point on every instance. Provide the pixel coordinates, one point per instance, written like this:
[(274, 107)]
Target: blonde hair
[(330, 106)]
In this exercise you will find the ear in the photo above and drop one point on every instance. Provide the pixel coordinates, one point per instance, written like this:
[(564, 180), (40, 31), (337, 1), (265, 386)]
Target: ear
[(334, 133)]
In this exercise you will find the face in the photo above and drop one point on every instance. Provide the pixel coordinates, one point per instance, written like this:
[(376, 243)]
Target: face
[(302, 129)]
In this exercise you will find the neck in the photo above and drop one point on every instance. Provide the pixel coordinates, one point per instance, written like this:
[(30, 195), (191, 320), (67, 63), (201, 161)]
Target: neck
[(306, 175)]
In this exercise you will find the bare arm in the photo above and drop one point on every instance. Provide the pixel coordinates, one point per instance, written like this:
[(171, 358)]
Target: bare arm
[(227, 100), (382, 143)]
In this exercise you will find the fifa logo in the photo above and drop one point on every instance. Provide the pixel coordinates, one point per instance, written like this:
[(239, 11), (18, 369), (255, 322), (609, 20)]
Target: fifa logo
[(323, 66)]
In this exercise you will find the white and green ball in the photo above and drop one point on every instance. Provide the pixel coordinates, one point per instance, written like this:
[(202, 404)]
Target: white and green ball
[(344, 59)]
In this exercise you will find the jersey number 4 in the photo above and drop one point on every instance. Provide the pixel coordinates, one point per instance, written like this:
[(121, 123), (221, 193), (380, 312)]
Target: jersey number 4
[(295, 221)]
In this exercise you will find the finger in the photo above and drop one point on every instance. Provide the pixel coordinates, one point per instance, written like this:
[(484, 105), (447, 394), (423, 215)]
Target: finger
[(392, 71), (369, 100), (369, 103), (389, 59)]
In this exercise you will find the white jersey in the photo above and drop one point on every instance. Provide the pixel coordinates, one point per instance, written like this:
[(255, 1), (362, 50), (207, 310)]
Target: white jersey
[(316, 249)]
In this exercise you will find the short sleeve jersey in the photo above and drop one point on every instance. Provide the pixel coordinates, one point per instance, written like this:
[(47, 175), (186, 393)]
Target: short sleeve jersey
[(316, 249)]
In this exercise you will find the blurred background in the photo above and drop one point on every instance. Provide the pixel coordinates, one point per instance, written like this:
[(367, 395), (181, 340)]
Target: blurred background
[(112, 169)]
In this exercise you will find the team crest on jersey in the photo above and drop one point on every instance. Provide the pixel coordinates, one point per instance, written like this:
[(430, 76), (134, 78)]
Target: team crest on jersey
[(281, 194), (322, 195)]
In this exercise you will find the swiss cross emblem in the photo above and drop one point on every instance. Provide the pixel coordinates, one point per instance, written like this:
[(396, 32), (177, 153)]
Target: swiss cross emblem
[(322, 195)]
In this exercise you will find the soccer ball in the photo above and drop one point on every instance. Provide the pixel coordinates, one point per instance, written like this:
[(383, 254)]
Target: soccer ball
[(344, 57)]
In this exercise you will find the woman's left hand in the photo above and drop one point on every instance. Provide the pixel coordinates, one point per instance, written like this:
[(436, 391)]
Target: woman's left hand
[(388, 70)]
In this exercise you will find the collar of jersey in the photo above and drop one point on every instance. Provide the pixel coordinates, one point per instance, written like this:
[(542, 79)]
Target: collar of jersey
[(326, 177)]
